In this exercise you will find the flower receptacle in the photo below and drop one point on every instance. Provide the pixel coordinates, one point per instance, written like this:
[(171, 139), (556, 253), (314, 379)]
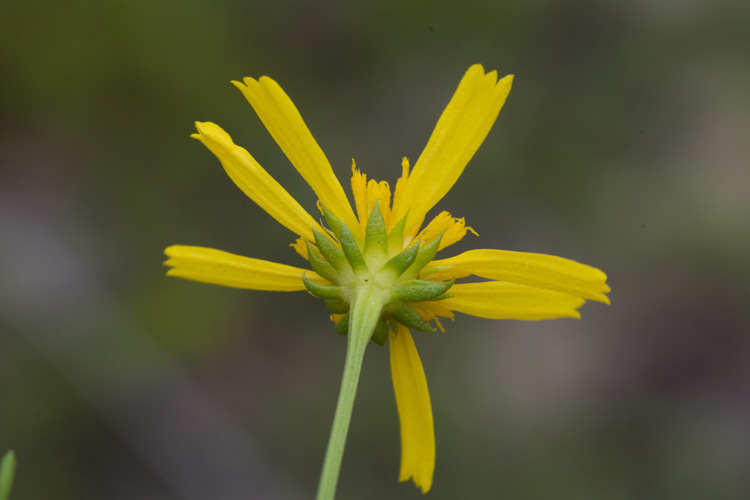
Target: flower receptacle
[(378, 270)]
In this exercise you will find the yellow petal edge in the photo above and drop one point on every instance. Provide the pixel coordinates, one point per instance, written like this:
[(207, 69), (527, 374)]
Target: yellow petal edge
[(531, 269), (459, 132), (217, 267), (498, 300), (255, 182), (414, 410), (285, 124)]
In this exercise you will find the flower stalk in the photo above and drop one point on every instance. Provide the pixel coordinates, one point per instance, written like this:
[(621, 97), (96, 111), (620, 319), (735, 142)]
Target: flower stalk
[(366, 308), (7, 471)]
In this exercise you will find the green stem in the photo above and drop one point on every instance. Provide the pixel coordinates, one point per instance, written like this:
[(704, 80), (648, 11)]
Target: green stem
[(366, 308), (7, 471)]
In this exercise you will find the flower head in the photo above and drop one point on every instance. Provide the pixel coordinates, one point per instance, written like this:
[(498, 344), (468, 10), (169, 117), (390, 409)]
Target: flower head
[(379, 256)]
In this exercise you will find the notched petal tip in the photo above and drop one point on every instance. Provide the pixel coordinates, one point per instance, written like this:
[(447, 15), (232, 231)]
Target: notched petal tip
[(202, 126), (507, 80), (209, 132), (171, 250), (474, 70), (239, 85)]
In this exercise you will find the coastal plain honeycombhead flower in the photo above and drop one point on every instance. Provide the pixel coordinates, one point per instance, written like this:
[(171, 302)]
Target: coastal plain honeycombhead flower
[(375, 263)]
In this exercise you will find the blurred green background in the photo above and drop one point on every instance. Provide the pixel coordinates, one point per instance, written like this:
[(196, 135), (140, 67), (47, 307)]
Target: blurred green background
[(623, 144)]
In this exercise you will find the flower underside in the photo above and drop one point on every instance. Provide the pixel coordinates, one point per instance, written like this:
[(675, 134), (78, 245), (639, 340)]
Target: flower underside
[(383, 258), (376, 252)]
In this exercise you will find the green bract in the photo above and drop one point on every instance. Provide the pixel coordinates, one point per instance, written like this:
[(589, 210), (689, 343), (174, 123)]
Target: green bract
[(348, 263)]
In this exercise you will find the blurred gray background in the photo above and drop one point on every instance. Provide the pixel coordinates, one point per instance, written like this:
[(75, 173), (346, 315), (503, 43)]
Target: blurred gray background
[(623, 144)]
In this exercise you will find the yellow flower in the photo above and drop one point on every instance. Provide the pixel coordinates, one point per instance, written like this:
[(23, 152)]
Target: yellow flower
[(380, 246)]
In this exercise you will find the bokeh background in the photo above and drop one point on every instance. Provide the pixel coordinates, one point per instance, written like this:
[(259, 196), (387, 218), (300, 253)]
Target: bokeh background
[(623, 144)]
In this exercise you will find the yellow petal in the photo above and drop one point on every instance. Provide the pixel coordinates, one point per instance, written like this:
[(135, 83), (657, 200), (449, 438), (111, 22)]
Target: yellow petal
[(255, 182), (531, 269), (498, 300), (414, 411), (208, 265), (283, 121), (458, 134)]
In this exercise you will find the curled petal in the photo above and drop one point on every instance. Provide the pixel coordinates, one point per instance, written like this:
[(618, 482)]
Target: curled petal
[(452, 229), (414, 411), (217, 267), (283, 121), (432, 310), (398, 192), (255, 182), (300, 246), (530, 269), (498, 300), (380, 193), (337, 317), (359, 191), (459, 132), (366, 195)]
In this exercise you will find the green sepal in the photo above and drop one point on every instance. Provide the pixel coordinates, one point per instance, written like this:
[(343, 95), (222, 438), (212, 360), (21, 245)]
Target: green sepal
[(320, 265), (401, 262), (396, 238), (323, 291), (419, 290), (330, 252), (380, 334), (351, 250), (409, 317), (425, 255), (376, 236), (342, 327), (337, 306), (334, 224), (7, 472)]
